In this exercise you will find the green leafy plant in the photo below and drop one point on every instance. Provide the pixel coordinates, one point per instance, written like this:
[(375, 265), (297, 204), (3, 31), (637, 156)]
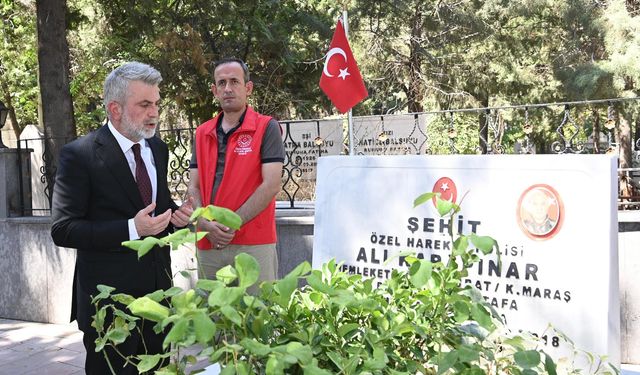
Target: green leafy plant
[(419, 321)]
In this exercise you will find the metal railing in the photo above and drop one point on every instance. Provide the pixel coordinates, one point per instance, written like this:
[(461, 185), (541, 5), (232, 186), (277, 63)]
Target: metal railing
[(562, 128)]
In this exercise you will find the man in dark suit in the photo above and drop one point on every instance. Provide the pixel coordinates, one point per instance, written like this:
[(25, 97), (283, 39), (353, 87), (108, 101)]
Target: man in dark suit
[(111, 186)]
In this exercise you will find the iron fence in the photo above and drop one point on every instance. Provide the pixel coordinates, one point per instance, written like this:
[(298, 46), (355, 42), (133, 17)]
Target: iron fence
[(561, 128)]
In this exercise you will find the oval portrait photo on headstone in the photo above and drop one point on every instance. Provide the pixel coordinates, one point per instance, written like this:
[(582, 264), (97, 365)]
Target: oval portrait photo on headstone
[(540, 212)]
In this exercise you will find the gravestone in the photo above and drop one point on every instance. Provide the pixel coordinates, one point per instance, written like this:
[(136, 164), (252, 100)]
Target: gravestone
[(305, 141), (397, 135), (15, 189), (554, 217), (33, 138)]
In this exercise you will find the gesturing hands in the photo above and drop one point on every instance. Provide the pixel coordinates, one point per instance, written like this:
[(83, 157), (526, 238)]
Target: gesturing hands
[(151, 225), (218, 234), (180, 217)]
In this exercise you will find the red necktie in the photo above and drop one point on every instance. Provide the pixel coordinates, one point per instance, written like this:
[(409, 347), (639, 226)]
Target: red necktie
[(142, 177)]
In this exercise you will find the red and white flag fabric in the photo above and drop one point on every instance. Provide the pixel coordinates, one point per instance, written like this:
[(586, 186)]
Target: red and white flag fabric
[(341, 79)]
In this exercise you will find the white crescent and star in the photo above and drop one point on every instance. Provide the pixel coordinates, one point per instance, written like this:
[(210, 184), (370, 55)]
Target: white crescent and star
[(336, 51)]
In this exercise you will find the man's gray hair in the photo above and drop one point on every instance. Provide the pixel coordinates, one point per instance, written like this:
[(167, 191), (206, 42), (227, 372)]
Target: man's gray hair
[(116, 85)]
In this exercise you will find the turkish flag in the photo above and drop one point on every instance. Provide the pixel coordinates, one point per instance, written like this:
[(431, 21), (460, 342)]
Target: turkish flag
[(341, 79)]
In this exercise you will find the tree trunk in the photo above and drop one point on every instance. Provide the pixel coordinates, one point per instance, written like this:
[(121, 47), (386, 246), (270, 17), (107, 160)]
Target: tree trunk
[(483, 133), (17, 129), (636, 135), (53, 77), (415, 92), (595, 134), (624, 141)]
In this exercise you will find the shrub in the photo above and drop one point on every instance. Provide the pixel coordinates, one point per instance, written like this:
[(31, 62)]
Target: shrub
[(420, 320)]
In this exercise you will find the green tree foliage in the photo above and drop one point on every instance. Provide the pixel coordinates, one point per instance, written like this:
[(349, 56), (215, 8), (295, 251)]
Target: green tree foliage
[(182, 39), (19, 62), (91, 61), (414, 55)]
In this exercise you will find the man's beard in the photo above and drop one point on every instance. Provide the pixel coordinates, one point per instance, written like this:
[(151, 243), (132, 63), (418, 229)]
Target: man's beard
[(136, 132)]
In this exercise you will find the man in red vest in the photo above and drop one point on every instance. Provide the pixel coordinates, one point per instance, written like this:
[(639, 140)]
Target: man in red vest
[(237, 163)]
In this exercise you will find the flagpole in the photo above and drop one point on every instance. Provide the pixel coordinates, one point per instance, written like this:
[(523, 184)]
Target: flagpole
[(350, 114)]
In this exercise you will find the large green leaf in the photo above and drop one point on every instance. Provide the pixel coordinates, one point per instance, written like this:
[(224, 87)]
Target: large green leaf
[(225, 296), (527, 358), (517, 342), (227, 274), (253, 302), (173, 291), (336, 358), (243, 368), (275, 366), (228, 370), (461, 311), (315, 281), (285, 288), (105, 292), (178, 238), (303, 353), (447, 361), (98, 319), (248, 269), (467, 353), (420, 273), (344, 329), (147, 362), (157, 295), (122, 298), (222, 215), (117, 335), (424, 198), (300, 270), (126, 317), (378, 361), (446, 207), (144, 246), (209, 285), (203, 327), (313, 369), (549, 365), (482, 316), (460, 245), (171, 369), (484, 243), (177, 333), (475, 370), (231, 314), (255, 347), (148, 309)]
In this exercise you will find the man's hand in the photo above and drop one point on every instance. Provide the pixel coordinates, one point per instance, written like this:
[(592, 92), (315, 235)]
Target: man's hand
[(150, 226), (180, 217), (218, 234)]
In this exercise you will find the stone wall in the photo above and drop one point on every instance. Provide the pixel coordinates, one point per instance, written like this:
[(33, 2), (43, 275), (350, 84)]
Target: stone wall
[(36, 276)]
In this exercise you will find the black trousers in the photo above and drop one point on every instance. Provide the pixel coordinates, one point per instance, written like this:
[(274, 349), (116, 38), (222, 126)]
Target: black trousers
[(149, 343)]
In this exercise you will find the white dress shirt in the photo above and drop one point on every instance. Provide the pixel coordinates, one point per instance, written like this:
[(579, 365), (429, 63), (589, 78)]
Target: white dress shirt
[(147, 156)]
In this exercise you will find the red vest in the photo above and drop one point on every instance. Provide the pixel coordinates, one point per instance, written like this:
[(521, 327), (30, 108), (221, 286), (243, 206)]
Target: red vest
[(242, 176)]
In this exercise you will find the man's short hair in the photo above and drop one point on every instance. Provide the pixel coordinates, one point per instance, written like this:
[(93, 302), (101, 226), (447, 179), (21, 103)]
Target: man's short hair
[(228, 60), (116, 85)]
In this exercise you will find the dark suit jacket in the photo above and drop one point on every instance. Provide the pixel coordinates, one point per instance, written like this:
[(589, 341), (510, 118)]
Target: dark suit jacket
[(94, 195)]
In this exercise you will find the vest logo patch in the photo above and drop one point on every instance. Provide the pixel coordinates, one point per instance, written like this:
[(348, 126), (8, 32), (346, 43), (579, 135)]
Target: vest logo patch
[(244, 144)]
